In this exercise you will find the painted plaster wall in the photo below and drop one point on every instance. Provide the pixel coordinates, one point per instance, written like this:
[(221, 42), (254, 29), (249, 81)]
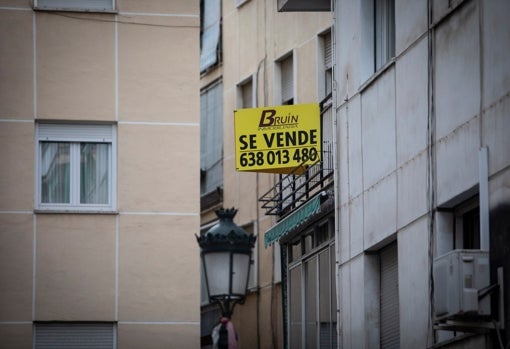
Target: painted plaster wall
[(141, 74), (382, 147)]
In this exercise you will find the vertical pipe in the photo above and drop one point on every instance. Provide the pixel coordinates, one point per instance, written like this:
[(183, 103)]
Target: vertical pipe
[(484, 198)]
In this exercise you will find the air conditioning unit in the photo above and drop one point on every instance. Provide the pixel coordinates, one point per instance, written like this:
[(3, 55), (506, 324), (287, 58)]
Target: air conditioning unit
[(458, 276)]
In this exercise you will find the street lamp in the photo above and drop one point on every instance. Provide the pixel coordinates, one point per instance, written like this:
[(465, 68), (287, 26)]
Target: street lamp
[(226, 252)]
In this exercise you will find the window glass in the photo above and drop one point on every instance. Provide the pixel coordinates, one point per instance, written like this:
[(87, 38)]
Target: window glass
[(326, 314), (322, 233), (247, 94), (295, 250), (471, 229), (211, 140), (384, 31), (308, 241), (55, 173), (210, 13), (311, 302), (295, 331), (311, 284), (467, 224), (328, 66), (94, 173)]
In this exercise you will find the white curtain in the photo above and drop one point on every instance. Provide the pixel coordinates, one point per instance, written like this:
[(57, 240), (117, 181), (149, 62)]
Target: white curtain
[(55, 172), (94, 173)]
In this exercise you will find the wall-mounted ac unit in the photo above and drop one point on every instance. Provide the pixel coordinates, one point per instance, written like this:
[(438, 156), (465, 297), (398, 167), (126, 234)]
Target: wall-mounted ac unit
[(458, 276)]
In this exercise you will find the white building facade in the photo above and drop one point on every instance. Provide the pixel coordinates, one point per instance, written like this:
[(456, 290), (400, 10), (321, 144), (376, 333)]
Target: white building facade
[(422, 100)]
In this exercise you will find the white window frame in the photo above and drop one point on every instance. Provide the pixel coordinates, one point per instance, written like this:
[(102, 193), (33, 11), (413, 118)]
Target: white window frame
[(239, 93), (76, 133), (76, 5)]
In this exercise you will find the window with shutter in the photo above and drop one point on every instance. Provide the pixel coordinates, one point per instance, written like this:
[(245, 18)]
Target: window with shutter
[(211, 138), (74, 335), (246, 93), (390, 319), (210, 33), (287, 80), (76, 166)]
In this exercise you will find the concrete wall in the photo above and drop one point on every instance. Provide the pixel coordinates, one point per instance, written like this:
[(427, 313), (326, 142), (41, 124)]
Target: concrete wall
[(138, 267), (382, 153)]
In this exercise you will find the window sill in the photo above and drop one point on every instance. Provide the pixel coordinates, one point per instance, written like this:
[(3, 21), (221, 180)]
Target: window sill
[(241, 3), (74, 211), (71, 9), (376, 75)]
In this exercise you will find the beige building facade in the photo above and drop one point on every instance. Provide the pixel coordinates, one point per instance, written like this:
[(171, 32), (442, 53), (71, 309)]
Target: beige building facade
[(262, 58), (98, 201)]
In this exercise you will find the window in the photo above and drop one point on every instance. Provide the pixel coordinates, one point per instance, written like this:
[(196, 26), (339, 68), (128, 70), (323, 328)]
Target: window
[(75, 167), (467, 225), (211, 138), (325, 65), (459, 226), (382, 297), (246, 92), (384, 32), (389, 303), (377, 35), (311, 288), (74, 335), (210, 33), (76, 5), (285, 80)]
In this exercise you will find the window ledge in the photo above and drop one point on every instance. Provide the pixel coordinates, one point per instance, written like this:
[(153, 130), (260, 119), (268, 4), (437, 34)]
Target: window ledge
[(376, 75), (72, 9), (63, 211)]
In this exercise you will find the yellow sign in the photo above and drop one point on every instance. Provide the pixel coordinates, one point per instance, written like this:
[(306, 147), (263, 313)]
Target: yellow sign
[(279, 139)]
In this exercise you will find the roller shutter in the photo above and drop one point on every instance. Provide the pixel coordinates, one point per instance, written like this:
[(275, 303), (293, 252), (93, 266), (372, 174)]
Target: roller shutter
[(75, 336), (390, 320)]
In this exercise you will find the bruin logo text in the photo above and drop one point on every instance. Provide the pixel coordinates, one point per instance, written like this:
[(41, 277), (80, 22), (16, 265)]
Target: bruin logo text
[(269, 118)]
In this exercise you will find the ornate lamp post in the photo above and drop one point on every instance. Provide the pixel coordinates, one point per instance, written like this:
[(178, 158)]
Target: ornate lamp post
[(226, 251)]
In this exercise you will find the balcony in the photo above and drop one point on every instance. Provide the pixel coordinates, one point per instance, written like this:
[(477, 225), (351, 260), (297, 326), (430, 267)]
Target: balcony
[(294, 189)]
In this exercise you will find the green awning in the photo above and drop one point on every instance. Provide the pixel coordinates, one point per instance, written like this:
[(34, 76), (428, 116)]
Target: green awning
[(293, 220)]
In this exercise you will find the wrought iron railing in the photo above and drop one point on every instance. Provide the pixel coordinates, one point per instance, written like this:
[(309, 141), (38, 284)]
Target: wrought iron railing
[(293, 189)]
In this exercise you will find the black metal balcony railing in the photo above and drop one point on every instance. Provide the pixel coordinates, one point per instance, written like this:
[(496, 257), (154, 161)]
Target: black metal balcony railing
[(294, 189)]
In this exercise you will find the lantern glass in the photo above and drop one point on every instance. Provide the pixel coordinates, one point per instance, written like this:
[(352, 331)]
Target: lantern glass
[(241, 269), (217, 269)]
